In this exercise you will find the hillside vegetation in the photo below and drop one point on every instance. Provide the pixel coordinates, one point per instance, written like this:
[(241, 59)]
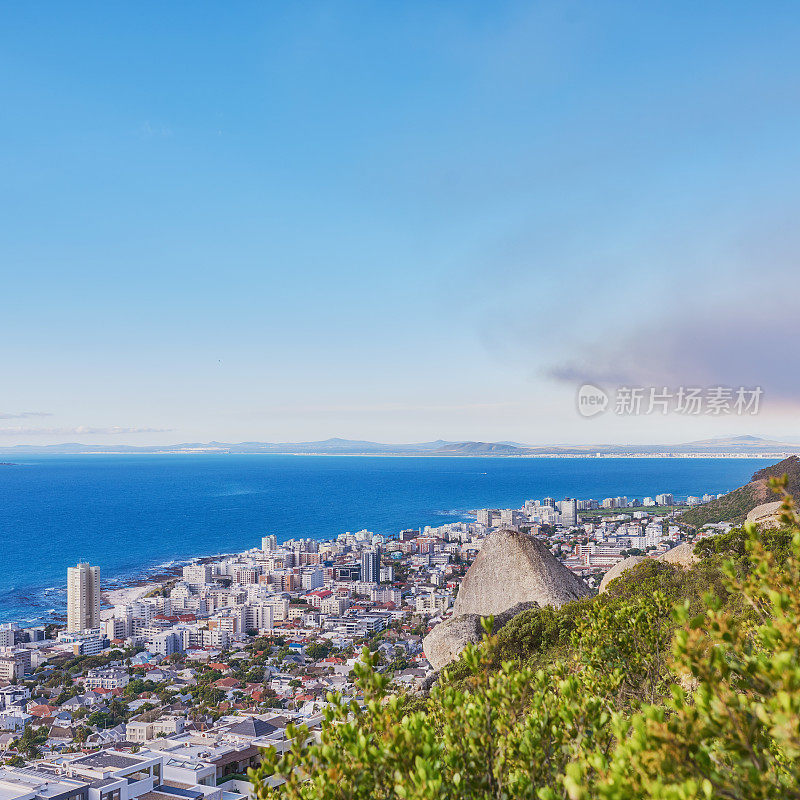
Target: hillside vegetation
[(734, 506), (676, 684)]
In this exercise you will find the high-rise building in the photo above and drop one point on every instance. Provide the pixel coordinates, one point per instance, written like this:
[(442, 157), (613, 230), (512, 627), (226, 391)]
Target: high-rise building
[(83, 598), (509, 518), (485, 517), (371, 566), (269, 543), (568, 508)]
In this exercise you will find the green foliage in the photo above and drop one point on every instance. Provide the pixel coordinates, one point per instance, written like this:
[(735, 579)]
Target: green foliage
[(234, 776), (734, 545), (138, 686), (677, 584), (255, 674), (641, 703), (535, 637), (31, 741), (317, 650)]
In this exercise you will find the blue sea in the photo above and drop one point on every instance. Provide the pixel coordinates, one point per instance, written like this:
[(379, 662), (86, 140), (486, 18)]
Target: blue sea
[(134, 514)]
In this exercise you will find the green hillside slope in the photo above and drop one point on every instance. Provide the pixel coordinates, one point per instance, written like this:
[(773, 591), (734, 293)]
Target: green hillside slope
[(733, 507)]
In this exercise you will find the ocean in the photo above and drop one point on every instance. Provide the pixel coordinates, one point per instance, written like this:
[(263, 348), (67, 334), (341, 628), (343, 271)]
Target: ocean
[(135, 514)]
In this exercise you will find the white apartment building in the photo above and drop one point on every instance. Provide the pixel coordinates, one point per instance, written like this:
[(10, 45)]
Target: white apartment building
[(510, 517), (83, 598), (198, 574), (433, 603), (485, 517), (106, 678), (7, 631), (386, 594), (311, 579), (259, 616), (335, 606)]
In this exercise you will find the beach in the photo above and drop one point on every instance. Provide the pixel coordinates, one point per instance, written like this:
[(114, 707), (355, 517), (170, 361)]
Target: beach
[(126, 595)]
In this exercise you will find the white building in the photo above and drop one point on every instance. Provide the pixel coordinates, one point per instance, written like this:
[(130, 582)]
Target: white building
[(83, 598), (197, 574), (106, 678)]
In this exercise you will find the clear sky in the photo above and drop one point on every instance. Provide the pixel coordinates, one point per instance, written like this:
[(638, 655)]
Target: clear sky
[(394, 221)]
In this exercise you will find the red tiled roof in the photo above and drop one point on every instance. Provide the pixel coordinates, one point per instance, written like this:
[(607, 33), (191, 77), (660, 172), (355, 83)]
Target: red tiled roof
[(227, 683), (42, 710)]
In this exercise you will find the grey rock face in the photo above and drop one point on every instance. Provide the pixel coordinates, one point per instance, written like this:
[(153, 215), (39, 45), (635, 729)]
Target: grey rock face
[(767, 515), (618, 569), (447, 639), (681, 556), (444, 643), (514, 568)]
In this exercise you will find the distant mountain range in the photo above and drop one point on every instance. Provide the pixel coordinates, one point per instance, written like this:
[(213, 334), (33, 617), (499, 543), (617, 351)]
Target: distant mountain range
[(740, 445)]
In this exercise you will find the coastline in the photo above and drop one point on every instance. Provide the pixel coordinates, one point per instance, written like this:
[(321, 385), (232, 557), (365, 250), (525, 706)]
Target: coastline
[(136, 588), (244, 498)]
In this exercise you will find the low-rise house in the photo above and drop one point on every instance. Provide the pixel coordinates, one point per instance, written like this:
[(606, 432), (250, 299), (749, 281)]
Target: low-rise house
[(14, 719), (227, 757), (13, 696), (79, 701), (108, 736), (40, 710), (141, 731)]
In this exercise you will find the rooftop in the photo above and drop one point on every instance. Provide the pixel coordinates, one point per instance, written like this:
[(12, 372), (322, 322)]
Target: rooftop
[(108, 760), (252, 727)]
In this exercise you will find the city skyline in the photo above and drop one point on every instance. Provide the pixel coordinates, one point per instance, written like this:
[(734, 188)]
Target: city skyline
[(395, 223)]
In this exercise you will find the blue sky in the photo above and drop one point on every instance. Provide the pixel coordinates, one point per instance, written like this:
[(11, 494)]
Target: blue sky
[(395, 221)]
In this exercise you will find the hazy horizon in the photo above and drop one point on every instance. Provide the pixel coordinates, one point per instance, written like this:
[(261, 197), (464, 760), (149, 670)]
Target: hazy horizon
[(787, 440)]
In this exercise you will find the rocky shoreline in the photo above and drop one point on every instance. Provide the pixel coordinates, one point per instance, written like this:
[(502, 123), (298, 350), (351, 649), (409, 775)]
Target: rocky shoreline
[(136, 588)]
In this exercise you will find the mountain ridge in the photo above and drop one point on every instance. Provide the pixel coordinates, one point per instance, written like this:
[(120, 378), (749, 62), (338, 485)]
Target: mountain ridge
[(338, 446)]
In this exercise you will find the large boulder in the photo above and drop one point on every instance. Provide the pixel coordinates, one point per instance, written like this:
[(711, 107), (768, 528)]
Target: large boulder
[(444, 643), (681, 556), (447, 639), (618, 569), (513, 568), (767, 515)]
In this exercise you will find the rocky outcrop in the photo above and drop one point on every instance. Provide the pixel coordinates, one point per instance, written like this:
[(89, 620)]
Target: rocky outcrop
[(511, 573), (513, 568), (618, 569), (445, 642), (447, 639), (681, 556), (767, 515)]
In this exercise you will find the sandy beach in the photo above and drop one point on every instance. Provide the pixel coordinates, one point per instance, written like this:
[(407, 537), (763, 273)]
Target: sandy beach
[(125, 595)]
